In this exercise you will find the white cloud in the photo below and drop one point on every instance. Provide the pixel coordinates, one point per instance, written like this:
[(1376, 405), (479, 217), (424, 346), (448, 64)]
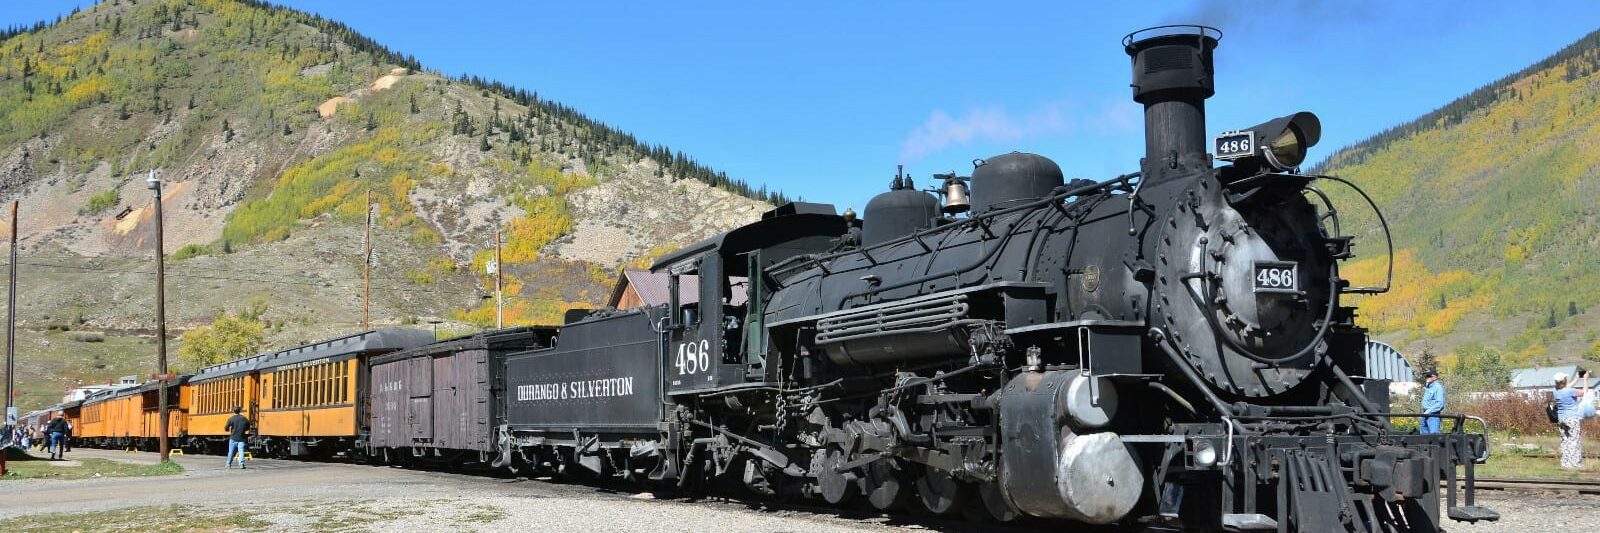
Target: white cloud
[(995, 124)]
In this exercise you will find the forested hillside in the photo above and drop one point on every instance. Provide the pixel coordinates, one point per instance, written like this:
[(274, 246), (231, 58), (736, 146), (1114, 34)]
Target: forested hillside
[(1494, 201), (270, 127)]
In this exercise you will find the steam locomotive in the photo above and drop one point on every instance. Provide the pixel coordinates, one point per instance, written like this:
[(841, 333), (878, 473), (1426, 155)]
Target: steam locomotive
[(1165, 349)]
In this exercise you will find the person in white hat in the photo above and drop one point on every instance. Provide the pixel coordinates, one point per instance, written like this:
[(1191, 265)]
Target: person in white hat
[(1568, 416)]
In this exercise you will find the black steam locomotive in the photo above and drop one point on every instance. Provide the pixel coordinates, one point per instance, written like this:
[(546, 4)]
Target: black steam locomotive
[(1167, 348)]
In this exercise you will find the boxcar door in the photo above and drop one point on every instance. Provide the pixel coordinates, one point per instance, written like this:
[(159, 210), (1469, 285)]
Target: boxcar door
[(420, 415)]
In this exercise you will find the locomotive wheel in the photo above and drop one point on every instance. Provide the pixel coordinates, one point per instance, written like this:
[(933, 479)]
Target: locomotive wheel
[(999, 509), (837, 487), (941, 493), (886, 485)]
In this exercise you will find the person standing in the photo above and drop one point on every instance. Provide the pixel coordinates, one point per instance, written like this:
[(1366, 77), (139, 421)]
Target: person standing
[(57, 430), (1432, 403), (1568, 419), (237, 429)]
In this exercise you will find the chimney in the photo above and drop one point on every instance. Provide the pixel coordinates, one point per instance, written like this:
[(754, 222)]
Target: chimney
[(1172, 77)]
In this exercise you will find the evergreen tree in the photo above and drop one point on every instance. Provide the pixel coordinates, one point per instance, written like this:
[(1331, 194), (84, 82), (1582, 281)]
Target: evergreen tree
[(1572, 308)]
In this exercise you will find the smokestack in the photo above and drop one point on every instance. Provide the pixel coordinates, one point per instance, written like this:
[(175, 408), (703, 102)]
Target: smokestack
[(1172, 77)]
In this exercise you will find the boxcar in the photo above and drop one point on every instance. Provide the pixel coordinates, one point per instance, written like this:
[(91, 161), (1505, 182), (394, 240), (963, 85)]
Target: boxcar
[(444, 402), (598, 389), (311, 397), (213, 392)]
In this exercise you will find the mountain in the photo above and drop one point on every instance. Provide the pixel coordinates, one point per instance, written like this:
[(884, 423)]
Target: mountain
[(269, 128), (1494, 203)]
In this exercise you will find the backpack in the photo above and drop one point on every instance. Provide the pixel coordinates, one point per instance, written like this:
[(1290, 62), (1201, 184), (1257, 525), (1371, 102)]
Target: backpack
[(1550, 409)]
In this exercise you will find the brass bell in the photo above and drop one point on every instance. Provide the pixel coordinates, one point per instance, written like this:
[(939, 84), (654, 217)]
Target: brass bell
[(956, 196)]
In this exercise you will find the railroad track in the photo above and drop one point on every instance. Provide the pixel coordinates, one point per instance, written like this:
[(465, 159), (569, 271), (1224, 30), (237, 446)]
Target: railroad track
[(1530, 485)]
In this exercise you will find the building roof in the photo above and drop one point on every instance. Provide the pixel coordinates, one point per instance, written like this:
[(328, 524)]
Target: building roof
[(652, 288), (1385, 362), (1544, 377), (376, 340)]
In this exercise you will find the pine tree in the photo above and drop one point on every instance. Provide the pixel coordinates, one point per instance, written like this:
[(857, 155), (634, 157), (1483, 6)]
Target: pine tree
[(483, 144), (1572, 308), (227, 131), (414, 109), (372, 123)]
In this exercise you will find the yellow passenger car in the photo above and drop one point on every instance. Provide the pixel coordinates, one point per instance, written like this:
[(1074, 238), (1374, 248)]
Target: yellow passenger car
[(311, 397), (212, 394)]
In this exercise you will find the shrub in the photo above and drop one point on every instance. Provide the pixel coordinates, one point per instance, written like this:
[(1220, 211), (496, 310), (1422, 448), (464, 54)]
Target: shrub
[(88, 337), (102, 201), (188, 251)]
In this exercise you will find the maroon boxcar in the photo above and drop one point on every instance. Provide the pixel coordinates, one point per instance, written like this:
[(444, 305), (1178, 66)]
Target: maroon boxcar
[(441, 402)]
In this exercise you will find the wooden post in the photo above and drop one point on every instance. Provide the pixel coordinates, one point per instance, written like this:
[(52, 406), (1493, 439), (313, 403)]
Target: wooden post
[(499, 284), (366, 267), (161, 323), (11, 342)]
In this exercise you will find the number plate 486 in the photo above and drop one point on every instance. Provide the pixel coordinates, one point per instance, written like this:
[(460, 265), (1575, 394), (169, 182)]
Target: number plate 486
[(1277, 277)]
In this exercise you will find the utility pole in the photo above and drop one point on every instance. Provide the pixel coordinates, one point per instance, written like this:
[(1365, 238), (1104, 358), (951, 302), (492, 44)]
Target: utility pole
[(366, 267), (499, 285), (11, 327), (161, 319), (11, 340)]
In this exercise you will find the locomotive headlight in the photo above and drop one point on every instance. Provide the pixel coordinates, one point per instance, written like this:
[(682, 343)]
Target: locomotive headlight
[(1280, 144), (1205, 454)]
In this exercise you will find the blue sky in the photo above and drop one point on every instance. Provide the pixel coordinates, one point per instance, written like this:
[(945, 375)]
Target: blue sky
[(823, 99)]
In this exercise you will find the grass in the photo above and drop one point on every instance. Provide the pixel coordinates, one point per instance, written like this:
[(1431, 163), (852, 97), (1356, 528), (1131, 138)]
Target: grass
[(154, 518), (35, 468), (347, 517), (1517, 466), (484, 514)]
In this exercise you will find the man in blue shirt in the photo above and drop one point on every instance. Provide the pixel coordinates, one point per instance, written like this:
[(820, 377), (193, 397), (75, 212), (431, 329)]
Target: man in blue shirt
[(1568, 417), (1432, 403)]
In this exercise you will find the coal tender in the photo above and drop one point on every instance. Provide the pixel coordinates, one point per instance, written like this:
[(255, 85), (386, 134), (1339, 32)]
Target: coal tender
[(1170, 348)]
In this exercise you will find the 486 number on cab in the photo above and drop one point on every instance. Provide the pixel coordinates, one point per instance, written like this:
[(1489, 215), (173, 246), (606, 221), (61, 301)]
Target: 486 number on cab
[(693, 357)]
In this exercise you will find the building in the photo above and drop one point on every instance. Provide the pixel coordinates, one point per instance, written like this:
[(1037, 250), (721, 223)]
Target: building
[(1542, 379), (83, 391), (1385, 362), (642, 288)]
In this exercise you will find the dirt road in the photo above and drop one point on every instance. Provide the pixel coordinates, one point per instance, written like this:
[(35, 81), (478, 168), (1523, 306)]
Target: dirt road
[(296, 496)]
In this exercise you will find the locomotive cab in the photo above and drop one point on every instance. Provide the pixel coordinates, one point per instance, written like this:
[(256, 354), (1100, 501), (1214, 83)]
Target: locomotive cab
[(715, 336)]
